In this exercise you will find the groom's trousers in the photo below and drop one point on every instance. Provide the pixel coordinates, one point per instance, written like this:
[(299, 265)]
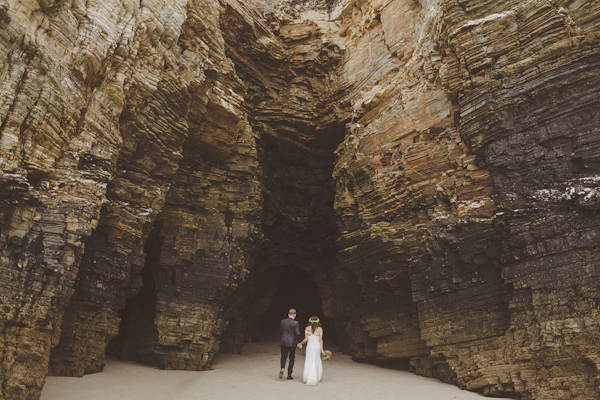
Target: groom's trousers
[(285, 351)]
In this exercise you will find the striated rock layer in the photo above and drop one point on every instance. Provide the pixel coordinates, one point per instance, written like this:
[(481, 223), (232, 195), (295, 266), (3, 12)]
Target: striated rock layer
[(434, 165), (118, 120), (467, 193)]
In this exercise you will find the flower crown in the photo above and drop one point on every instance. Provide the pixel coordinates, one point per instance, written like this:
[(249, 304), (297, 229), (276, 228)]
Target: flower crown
[(314, 321)]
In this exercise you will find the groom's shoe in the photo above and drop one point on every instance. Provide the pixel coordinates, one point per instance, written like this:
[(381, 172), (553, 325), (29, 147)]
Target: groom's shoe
[(281, 374), (290, 377)]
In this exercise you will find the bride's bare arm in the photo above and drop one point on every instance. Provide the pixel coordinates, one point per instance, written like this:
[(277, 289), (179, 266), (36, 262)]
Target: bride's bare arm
[(321, 342), (304, 341)]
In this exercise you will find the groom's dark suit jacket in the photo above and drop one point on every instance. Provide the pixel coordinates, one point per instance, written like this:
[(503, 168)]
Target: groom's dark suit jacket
[(290, 330)]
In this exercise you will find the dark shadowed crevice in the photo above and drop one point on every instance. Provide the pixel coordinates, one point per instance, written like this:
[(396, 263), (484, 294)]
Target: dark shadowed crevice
[(295, 288), (299, 221), (298, 115), (294, 266), (137, 331)]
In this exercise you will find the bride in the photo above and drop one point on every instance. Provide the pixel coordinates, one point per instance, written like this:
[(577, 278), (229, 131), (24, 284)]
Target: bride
[(313, 366)]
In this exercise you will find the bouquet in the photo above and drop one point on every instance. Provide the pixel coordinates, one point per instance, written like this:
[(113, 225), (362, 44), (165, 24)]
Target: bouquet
[(327, 355)]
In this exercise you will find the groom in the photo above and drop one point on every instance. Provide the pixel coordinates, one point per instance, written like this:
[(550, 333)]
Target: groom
[(290, 330)]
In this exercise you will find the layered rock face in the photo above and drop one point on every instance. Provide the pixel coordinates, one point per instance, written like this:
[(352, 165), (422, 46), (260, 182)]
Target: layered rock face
[(467, 191), (434, 165), (119, 119)]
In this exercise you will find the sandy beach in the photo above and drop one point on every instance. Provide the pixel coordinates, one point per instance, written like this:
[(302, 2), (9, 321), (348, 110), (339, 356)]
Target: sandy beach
[(250, 375)]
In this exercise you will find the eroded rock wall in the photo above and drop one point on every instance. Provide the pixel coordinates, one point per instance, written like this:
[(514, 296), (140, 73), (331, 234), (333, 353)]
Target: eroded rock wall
[(540, 140), (58, 112), (200, 217), (471, 159), (110, 111), (403, 174)]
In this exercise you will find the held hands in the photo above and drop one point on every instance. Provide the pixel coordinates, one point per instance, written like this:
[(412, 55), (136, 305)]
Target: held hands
[(299, 345)]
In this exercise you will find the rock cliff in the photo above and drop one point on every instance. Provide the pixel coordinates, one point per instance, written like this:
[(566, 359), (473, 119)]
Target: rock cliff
[(434, 165), (470, 180)]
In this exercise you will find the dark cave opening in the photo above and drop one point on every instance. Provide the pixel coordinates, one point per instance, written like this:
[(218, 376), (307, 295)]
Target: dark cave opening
[(295, 288), (299, 225), (294, 264), (137, 330)]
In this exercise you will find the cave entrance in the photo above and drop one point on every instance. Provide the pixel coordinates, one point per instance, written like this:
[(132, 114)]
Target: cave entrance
[(137, 331), (293, 287), (294, 267)]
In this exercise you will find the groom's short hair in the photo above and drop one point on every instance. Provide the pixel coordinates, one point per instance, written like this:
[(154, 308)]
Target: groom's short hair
[(292, 311)]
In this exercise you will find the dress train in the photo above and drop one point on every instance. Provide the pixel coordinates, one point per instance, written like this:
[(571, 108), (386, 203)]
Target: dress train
[(313, 366)]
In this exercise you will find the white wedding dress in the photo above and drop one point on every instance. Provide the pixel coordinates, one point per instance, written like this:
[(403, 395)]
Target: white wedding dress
[(313, 366)]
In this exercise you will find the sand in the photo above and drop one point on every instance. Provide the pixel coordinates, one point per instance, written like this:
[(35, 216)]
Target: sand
[(252, 375)]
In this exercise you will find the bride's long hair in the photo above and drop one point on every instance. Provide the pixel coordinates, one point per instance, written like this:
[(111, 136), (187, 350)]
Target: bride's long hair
[(313, 323)]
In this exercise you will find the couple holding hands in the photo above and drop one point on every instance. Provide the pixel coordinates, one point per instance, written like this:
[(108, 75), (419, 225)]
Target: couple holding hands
[(313, 337)]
